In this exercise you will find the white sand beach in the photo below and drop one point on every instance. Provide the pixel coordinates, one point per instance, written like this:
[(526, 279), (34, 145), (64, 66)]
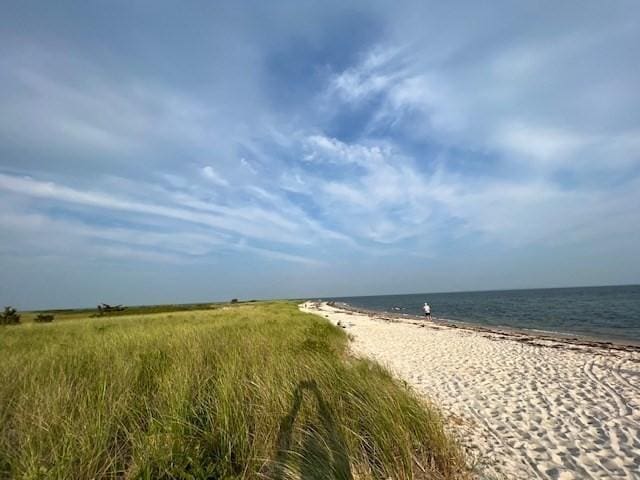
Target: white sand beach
[(528, 407)]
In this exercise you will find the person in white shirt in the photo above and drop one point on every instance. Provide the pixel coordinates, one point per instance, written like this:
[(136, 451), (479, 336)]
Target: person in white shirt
[(427, 310)]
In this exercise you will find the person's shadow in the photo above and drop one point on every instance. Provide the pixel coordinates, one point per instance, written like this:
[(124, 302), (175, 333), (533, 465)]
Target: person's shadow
[(323, 451)]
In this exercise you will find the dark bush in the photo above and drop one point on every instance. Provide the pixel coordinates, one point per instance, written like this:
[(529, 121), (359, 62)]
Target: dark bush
[(105, 308), (234, 300), (9, 317), (44, 318)]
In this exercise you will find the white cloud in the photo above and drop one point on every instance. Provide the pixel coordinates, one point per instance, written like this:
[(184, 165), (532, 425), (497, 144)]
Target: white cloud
[(256, 223), (392, 199), (40, 234), (540, 144), (521, 102), (49, 110), (247, 165), (210, 174), (381, 67), (322, 149), (388, 200)]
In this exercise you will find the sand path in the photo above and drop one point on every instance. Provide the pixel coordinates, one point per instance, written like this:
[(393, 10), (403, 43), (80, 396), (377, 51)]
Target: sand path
[(529, 411)]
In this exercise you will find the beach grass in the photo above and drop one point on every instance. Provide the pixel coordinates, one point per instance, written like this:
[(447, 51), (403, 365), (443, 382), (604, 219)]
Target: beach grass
[(252, 391)]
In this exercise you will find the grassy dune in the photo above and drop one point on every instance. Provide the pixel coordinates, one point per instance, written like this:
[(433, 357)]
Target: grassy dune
[(254, 391)]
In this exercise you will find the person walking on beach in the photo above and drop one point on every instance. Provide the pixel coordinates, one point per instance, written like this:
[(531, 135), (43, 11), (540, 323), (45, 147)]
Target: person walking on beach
[(427, 310)]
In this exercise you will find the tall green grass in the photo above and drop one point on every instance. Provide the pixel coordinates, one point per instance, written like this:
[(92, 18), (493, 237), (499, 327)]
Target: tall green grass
[(259, 391)]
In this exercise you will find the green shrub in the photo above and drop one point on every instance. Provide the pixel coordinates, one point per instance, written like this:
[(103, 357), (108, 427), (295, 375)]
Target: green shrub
[(44, 318), (9, 317)]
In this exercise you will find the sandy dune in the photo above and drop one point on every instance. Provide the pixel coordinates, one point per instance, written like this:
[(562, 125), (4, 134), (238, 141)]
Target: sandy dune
[(546, 410)]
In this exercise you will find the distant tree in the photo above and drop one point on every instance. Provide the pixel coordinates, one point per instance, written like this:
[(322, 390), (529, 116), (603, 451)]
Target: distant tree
[(44, 318), (234, 300), (9, 317)]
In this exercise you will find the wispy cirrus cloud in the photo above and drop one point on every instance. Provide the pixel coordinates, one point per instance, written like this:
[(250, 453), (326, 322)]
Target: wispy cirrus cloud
[(225, 226), (210, 174), (526, 103)]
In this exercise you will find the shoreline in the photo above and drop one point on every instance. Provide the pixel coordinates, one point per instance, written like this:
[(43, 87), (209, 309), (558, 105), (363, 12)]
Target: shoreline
[(568, 411), (517, 334)]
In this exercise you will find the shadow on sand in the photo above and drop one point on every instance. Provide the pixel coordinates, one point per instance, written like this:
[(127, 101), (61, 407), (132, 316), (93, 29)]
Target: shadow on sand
[(322, 454)]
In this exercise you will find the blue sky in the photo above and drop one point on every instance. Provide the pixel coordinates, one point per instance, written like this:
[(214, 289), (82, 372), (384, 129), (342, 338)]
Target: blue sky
[(156, 152)]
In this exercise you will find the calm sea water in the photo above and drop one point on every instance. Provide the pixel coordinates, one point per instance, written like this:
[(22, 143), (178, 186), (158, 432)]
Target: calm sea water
[(602, 312)]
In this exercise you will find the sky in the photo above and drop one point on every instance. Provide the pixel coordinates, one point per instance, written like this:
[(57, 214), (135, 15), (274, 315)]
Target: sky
[(164, 152)]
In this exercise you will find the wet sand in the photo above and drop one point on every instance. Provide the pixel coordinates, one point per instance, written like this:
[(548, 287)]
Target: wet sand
[(526, 406)]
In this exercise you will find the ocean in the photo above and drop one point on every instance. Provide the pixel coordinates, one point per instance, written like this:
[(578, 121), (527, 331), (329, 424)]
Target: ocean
[(604, 313)]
